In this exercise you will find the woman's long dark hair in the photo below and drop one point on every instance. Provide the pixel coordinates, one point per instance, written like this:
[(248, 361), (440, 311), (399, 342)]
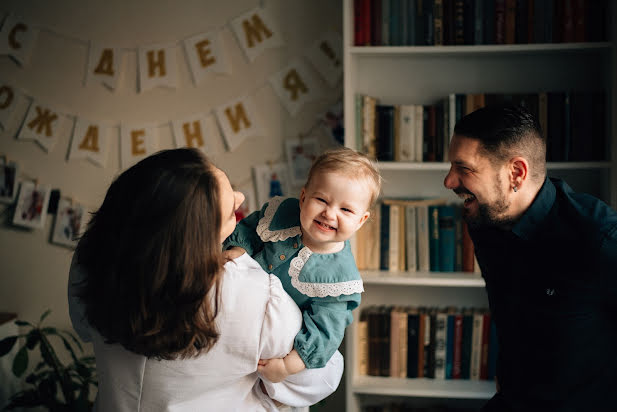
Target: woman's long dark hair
[(152, 255)]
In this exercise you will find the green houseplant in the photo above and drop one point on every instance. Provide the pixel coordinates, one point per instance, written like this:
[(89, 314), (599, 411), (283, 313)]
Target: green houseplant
[(52, 384)]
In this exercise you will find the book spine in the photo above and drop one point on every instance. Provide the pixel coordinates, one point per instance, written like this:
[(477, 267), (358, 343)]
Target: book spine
[(458, 341), (489, 21), (419, 132), (468, 250), (406, 148), (478, 34), (384, 237), (466, 346), (429, 346), (493, 349), (362, 339), (411, 239), (422, 225), (447, 238), (486, 326), (459, 22), (441, 321), (449, 346), (394, 342), (421, 338), (402, 346), (438, 22), (374, 331), (411, 23), (366, 23), (435, 258), (510, 22), (412, 344), (385, 22), (476, 347), (500, 21), (394, 234)]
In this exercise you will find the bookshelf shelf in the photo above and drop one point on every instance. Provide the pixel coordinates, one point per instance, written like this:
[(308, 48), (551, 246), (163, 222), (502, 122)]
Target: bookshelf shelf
[(438, 279), (422, 387), (443, 166), (506, 49), (424, 75)]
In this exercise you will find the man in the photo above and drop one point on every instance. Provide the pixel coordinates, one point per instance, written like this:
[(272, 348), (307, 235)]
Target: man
[(549, 259)]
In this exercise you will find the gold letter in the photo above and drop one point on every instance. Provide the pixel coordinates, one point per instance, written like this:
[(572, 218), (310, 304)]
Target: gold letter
[(106, 63), (294, 83), (154, 63), (12, 41), (195, 135), (254, 30), (203, 53), (9, 96), (137, 143), (91, 140), (42, 120), (240, 116)]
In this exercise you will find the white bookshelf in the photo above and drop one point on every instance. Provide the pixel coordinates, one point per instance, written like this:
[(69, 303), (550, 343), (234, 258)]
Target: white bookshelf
[(423, 75)]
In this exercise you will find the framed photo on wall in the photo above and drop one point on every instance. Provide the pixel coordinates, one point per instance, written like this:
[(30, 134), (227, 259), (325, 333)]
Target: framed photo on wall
[(32, 203), (8, 181), (271, 180), (70, 223), (300, 156)]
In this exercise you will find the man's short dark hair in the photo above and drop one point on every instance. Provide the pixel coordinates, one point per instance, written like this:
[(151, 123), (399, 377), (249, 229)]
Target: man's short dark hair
[(505, 131)]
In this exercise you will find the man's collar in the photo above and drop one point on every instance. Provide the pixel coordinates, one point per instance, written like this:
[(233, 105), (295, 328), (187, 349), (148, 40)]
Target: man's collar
[(535, 214)]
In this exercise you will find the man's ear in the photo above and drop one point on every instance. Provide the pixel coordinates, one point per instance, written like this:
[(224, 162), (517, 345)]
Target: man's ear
[(519, 171)]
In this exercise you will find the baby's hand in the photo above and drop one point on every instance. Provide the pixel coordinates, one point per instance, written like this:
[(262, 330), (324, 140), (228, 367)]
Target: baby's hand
[(273, 370), (233, 252)]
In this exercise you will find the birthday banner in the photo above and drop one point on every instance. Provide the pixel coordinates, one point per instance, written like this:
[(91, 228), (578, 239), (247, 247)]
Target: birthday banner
[(157, 66)]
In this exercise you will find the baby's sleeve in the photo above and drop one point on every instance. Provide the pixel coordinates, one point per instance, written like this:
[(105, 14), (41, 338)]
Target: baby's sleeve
[(324, 321), (245, 235)]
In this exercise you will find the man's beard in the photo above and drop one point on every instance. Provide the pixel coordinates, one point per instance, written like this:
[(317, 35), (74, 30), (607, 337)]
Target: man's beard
[(493, 214)]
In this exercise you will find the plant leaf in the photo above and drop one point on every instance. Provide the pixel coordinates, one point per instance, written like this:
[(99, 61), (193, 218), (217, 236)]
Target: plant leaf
[(70, 335), (44, 315), (33, 338), (20, 363), (28, 398), (7, 344), (23, 323), (68, 347)]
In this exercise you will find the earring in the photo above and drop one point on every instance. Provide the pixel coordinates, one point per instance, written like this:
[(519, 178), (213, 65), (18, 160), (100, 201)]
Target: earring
[(515, 189)]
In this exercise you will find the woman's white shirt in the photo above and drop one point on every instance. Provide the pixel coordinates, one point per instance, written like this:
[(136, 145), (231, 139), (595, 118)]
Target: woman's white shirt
[(257, 320)]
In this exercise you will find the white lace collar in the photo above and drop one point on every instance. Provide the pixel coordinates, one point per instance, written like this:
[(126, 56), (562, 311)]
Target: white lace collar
[(319, 290), (268, 235)]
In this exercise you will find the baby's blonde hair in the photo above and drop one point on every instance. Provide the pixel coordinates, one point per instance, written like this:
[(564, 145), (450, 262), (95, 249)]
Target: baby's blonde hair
[(350, 163)]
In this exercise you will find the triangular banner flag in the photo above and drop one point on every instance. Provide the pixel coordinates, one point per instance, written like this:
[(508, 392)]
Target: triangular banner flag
[(136, 143), (326, 55), (43, 124), (295, 86), (157, 66), (206, 54), (17, 39), (238, 121), (256, 31), (10, 99), (104, 65), (191, 132), (90, 141)]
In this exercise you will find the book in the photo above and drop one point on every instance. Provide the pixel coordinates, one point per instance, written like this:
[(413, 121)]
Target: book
[(362, 346), (422, 238), (374, 340), (376, 22), (449, 345), (493, 350), (457, 346), (447, 238), (358, 103), (433, 227), (385, 132), (438, 27), (413, 336), (466, 340), (406, 149), (441, 331), (486, 325), (367, 253), (476, 346), (467, 249), (369, 138), (419, 132), (394, 343), (411, 245), (384, 237), (394, 239)]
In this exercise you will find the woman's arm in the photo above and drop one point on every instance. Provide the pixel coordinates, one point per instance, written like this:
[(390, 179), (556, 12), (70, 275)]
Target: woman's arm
[(77, 309)]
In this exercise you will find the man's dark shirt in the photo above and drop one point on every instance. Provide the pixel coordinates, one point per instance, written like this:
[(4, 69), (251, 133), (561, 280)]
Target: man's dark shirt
[(552, 290)]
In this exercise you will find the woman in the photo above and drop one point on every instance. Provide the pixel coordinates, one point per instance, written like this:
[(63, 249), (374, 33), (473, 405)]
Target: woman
[(174, 326)]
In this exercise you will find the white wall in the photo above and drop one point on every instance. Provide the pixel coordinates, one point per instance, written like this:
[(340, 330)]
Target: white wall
[(33, 272)]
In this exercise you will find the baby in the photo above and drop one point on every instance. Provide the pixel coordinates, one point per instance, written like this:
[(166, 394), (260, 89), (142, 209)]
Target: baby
[(305, 243)]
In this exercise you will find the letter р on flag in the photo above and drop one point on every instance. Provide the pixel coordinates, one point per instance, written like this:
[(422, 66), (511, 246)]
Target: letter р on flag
[(256, 32)]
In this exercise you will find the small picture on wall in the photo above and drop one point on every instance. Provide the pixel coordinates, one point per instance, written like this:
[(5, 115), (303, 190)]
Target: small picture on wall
[(248, 206), (333, 122), (300, 155), (271, 180), (32, 203), (8, 181), (69, 224)]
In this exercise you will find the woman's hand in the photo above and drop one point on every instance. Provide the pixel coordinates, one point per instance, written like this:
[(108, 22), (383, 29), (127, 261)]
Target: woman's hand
[(234, 252)]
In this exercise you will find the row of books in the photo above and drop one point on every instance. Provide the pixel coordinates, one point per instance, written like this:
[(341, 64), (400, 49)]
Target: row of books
[(573, 123), (426, 342), (467, 22), (410, 235)]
